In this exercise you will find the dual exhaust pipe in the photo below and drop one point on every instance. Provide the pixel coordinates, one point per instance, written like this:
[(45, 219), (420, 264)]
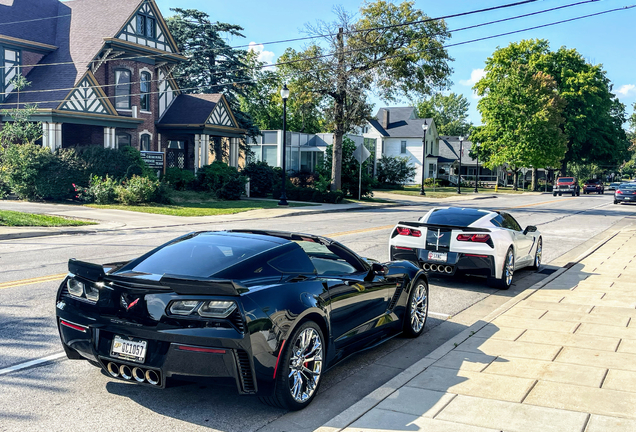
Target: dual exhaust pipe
[(138, 374), (438, 268)]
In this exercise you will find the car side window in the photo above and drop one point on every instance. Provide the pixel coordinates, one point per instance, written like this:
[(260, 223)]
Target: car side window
[(327, 260), (510, 222), (294, 262), (497, 221)]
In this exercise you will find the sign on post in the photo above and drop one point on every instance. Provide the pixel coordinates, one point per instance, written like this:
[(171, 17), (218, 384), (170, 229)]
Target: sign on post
[(154, 160), (361, 153)]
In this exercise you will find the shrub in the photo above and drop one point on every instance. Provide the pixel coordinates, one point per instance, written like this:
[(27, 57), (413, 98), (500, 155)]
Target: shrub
[(395, 170), (4, 189), (140, 190), (221, 179), (119, 164), (261, 177), (99, 191), (21, 166), (179, 179), (56, 180)]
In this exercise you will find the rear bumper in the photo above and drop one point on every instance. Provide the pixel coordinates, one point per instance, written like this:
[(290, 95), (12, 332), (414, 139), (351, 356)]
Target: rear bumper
[(625, 198), (459, 262), (189, 353)]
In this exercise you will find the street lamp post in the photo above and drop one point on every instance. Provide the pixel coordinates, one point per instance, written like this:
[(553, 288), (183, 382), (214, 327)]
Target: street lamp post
[(477, 173), (459, 173), (284, 93), (424, 128)]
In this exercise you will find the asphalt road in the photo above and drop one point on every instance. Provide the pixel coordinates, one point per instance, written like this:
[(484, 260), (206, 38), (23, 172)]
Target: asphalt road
[(66, 395)]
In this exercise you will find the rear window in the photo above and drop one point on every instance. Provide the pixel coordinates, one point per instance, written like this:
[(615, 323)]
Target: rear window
[(565, 180), (460, 217), (202, 255), (593, 181)]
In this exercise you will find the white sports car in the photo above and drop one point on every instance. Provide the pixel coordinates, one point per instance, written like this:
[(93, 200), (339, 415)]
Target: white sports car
[(450, 240)]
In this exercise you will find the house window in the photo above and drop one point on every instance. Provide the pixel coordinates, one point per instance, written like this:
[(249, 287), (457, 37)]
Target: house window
[(144, 90), (145, 143), (122, 89), (403, 147), (146, 26), (180, 145), (123, 139)]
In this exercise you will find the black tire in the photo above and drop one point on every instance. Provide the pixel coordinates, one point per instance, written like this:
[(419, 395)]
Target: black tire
[(560, 194), (577, 193), (504, 281), (538, 254), (282, 397), (413, 327), (554, 194), (615, 202)]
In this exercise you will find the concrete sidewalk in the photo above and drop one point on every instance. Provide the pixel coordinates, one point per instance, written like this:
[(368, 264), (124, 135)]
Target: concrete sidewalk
[(109, 220), (560, 356)]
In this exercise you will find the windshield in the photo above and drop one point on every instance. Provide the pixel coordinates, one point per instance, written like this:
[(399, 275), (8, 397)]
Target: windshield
[(565, 180), (461, 217)]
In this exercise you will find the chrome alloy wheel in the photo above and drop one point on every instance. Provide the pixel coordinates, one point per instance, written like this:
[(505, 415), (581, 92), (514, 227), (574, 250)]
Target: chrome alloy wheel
[(305, 365), (537, 258), (419, 308), (509, 268)]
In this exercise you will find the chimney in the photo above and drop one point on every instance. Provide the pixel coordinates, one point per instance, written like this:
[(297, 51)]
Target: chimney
[(384, 121)]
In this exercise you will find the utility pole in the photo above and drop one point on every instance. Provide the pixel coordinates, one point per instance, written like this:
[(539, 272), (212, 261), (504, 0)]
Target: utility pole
[(339, 103)]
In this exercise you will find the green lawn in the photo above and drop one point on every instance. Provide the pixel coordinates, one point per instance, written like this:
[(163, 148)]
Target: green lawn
[(15, 219), (445, 192), (190, 203)]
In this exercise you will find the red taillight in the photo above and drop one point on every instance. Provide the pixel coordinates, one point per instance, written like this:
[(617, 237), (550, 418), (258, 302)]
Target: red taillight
[(73, 326), (409, 232), (403, 248), (477, 238), (618, 192)]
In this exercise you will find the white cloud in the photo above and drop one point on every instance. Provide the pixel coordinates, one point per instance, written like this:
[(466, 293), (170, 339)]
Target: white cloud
[(264, 56), (475, 76), (627, 90)]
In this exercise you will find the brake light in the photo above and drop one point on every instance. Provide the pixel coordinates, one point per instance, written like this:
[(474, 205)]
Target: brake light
[(409, 232), (619, 192), (477, 238)]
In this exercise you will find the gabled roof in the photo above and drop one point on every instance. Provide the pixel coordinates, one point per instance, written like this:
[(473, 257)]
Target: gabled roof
[(201, 111), (403, 123), (449, 149), (32, 20)]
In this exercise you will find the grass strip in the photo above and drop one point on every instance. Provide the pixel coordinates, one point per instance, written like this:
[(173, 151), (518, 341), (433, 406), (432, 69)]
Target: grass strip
[(17, 219)]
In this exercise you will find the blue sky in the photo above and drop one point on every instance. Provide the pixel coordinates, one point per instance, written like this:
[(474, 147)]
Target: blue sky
[(607, 39)]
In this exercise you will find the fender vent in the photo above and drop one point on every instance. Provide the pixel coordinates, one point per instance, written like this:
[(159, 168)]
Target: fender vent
[(245, 371), (237, 321), (396, 296)]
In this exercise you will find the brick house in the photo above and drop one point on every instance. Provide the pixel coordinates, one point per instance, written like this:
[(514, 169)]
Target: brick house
[(101, 74)]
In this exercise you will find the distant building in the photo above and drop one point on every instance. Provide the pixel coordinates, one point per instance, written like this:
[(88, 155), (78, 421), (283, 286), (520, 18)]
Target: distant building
[(101, 74), (399, 132)]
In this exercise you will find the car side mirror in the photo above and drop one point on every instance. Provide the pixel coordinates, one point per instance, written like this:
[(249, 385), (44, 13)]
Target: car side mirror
[(529, 229)]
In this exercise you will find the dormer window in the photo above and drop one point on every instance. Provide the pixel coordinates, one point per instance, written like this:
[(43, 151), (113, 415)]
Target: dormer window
[(146, 26)]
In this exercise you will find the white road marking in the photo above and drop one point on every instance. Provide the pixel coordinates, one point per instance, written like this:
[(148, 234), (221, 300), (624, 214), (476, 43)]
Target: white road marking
[(32, 363), (440, 315)]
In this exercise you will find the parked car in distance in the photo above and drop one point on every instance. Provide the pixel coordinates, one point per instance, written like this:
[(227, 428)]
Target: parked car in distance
[(593, 185), (626, 192), (613, 186), (566, 185)]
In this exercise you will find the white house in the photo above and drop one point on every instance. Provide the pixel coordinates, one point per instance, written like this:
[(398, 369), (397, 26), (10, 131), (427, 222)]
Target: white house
[(399, 132)]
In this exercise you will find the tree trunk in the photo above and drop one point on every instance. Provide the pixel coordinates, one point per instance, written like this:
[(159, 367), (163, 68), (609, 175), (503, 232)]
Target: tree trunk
[(339, 102), (515, 180), (564, 168), (535, 174)]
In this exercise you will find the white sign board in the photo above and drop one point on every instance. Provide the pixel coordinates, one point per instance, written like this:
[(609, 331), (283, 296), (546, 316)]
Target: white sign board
[(361, 153)]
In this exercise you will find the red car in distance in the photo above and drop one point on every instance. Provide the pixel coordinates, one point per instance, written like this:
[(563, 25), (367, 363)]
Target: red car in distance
[(593, 185), (566, 185)]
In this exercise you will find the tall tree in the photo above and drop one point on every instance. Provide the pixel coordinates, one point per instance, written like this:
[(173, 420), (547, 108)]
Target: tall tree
[(449, 112), (391, 48), (213, 66), (521, 119), (264, 103)]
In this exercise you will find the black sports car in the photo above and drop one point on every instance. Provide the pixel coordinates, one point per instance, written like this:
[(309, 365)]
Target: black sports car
[(268, 310)]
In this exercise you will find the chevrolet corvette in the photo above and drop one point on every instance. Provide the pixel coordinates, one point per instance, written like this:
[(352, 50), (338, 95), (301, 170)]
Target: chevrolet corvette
[(452, 240), (267, 311)]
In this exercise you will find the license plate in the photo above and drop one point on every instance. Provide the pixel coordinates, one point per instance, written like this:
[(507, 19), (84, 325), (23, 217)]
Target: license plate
[(437, 256), (129, 349)]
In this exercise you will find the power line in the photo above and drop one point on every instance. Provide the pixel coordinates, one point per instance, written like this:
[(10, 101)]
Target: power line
[(328, 54), (407, 53), (319, 36)]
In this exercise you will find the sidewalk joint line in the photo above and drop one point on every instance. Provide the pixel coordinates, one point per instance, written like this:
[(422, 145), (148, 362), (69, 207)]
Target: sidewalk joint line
[(604, 377), (557, 354), (629, 319), (618, 345), (519, 337), (445, 405), (529, 390), (587, 422), (576, 328)]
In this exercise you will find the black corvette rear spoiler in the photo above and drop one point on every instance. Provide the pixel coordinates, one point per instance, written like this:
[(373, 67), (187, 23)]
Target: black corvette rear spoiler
[(183, 285), (438, 226)]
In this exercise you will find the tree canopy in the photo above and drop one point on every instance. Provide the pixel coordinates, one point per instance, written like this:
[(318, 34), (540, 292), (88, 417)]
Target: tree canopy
[(450, 113), (390, 48), (213, 66)]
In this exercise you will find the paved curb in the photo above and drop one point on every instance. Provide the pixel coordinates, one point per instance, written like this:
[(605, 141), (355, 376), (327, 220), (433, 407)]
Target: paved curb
[(62, 231), (353, 413)]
